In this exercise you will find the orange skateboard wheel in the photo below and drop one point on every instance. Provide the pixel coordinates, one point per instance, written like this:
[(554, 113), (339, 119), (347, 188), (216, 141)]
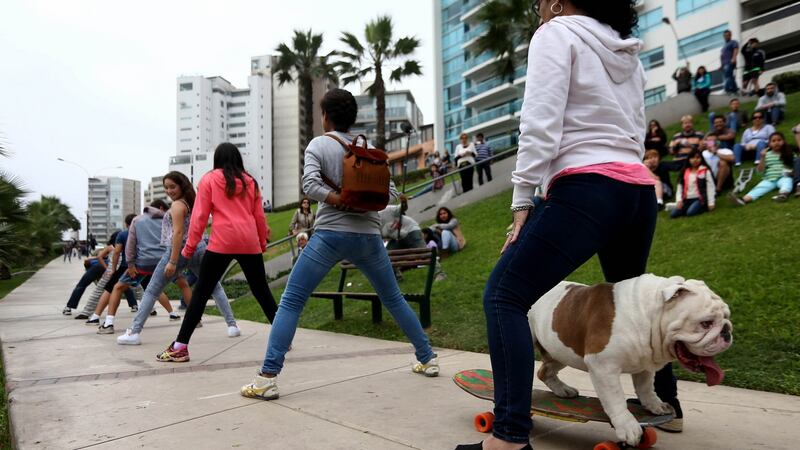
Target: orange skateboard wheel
[(607, 445), (484, 421), (649, 438)]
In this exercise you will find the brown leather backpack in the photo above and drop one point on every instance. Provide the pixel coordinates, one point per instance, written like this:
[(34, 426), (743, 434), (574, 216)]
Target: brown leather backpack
[(365, 176)]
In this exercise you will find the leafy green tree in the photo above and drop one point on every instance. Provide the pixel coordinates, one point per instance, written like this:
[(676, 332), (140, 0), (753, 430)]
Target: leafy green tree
[(48, 218), (510, 23), (302, 63), (373, 58), (12, 220)]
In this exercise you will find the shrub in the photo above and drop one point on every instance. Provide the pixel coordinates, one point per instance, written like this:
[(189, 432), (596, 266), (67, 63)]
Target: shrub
[(788, 82)]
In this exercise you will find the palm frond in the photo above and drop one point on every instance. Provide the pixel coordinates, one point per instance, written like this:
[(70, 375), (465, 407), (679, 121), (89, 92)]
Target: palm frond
[(411, 67), (405, 46)]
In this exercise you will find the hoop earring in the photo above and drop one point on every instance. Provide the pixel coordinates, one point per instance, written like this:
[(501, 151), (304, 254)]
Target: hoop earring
[(560, 8)]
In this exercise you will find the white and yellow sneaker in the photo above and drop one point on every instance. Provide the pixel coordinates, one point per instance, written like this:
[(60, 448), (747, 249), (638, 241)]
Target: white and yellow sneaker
[(261, 388), (429, 369)]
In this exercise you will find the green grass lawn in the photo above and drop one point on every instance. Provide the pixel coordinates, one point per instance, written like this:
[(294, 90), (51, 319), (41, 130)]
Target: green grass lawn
[(746, 255)]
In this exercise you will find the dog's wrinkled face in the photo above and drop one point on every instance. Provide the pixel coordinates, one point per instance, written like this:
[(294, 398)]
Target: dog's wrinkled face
[(696, 327)]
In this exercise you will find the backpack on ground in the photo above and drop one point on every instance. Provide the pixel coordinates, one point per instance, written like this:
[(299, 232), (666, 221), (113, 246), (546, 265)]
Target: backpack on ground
[(365, 176)]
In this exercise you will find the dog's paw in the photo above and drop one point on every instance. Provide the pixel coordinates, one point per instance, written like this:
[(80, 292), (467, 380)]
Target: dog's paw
[(628, 429), (659, 408), (564, 391)]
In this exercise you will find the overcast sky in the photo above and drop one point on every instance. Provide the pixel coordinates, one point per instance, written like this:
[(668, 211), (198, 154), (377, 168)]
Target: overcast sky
[(94, 81)]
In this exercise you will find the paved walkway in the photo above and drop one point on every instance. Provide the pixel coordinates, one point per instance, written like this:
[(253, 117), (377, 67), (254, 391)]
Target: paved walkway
[(71, 388)]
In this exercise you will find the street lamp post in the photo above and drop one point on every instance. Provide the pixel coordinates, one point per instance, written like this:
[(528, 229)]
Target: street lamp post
[(407, 129), (88, 177), (675, 33)]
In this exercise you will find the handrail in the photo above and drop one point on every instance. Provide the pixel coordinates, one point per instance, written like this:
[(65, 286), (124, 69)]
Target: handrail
[(453, 172), (290, 239)]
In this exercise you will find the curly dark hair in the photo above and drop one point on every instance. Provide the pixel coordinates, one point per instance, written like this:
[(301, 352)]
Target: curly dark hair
[(341, 108), (618, 14)]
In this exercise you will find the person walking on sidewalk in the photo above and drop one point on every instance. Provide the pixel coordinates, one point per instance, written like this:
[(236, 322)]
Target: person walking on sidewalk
[(174, 229), (339, 234), (483, 158), (239, 232), (582, 132)]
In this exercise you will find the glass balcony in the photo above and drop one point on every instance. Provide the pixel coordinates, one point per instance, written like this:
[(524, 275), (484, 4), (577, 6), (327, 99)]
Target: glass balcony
[(493, 113), (492, 83), (475, 32), (480, 59)]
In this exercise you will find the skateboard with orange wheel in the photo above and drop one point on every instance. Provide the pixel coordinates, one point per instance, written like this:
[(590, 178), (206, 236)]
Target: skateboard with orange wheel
[(479, 382)]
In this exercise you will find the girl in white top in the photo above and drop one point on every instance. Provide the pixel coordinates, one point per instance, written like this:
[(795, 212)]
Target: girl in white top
[(465, 160)]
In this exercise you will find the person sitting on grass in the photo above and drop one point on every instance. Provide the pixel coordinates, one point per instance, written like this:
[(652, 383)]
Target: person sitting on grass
[(449, 229), (682, 143), (651, 161), (755, 139), (772, 104), (695, 192), (718, 154), (776, 164)]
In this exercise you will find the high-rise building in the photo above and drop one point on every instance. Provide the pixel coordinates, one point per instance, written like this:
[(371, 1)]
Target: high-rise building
[(110, 200), (264, 120), (400, 108), (471, 98), (155, 191), (694, 35)]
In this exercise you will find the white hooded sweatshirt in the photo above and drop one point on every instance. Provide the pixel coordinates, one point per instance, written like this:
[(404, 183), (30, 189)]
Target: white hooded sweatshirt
[(583, 105)]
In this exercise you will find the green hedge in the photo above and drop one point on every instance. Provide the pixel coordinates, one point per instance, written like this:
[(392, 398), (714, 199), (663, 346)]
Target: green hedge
[(788, 82)]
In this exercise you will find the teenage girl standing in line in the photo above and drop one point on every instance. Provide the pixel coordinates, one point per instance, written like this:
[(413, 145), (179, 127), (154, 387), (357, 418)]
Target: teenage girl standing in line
[(338, 235), (239, 232)]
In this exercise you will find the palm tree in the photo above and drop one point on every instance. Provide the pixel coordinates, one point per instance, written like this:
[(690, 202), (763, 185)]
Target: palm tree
[(303, 63), (48, 218), (12, 221), (510, 24), (362, 60)]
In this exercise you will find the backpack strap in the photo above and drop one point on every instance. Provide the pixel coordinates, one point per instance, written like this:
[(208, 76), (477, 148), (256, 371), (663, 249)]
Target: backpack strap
[(325, 178)]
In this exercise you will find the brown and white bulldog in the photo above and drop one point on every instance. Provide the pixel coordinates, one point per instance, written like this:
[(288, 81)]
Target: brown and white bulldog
[(635, 326)]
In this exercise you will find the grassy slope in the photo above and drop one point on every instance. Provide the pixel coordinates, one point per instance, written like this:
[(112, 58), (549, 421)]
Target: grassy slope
[(744, 254)]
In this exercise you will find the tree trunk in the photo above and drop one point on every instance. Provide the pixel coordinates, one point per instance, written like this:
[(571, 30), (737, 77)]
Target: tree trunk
[(307, 91), (380, 107)]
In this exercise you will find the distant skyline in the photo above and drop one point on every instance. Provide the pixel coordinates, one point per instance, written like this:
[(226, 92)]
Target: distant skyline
[(94, 83)]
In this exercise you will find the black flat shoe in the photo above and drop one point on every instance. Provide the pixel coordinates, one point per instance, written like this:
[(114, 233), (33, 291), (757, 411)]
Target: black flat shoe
[(479, 446)]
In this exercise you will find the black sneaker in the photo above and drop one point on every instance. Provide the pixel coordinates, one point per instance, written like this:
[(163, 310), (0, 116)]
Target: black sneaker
[(173, 317), (135, 308), (103, 329), (81, 316), (93, 322), (153, 312), (66, 311)]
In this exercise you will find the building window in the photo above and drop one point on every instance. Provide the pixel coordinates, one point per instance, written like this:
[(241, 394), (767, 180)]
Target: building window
[(701, 42), (235, 125), (200, 157), (186, 140), (652, 58), (655, 95), (649, 20), (186, 86), (186, 129), (685, 7), (238, 114)]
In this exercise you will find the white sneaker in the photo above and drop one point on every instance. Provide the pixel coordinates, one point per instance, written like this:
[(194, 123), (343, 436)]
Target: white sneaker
[(129, 338), (234, 331), (262, 388), (429, 369)]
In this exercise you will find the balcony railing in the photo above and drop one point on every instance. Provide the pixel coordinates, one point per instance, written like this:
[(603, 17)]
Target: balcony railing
[(493, 113), (493, 83), (480, 59), (772, 16), (475, 32), (470, 5)]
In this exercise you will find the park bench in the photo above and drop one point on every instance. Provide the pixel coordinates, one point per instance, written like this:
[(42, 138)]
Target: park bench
[(400, 259)]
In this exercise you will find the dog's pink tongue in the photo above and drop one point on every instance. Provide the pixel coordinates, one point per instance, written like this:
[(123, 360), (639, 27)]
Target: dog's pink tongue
[(714, 373)]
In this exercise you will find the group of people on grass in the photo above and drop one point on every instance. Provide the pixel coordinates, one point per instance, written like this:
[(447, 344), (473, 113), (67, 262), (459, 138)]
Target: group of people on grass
[(705, 162)]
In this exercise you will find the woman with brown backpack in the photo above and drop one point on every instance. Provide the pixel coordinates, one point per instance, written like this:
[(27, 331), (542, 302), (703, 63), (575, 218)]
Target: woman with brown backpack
[(351, 184)]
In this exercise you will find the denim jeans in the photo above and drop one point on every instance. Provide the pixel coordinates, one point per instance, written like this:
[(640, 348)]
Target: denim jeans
[(730, 78), (159, 281), (449, 241), (583, 215), (324, 250), (691, 207), (90, 276), (739, 149)]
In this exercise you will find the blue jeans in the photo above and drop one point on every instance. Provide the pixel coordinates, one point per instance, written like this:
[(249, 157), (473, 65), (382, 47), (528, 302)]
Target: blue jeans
[(773, 115), (730, 78), (449, 241), (159, 281), (691, 207), (584, 215), (324, 250), (739, 149), (90, 276)]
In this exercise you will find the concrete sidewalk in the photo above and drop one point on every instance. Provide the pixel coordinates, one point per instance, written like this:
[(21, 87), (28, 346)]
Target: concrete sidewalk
[(71, 388)]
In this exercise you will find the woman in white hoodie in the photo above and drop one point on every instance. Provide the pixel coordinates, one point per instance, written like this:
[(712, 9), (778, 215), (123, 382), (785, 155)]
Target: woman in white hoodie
[(581, 142)]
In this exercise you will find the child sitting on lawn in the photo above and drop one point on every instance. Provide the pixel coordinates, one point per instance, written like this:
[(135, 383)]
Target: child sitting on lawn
[(696, 191), (776, 164)]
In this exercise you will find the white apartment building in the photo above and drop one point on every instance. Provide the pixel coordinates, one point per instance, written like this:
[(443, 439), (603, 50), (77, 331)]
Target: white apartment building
[(401, 107), (263, 120), (155, 191), (471, 99), (694, 35), (110, 200)]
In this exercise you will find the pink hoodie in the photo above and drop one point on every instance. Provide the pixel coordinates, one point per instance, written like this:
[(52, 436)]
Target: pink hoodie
[(239, 224)]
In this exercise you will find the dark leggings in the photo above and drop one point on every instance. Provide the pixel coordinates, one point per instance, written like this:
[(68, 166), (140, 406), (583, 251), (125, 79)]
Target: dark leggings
[(583, 216), (211, 270), (92, 274)]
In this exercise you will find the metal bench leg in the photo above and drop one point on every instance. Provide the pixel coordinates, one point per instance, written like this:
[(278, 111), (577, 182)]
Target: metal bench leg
[(338, 308), (425, 313), (377, 311)]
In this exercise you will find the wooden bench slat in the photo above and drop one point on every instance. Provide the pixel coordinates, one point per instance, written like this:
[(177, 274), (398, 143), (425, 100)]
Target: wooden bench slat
[(410, 251)]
